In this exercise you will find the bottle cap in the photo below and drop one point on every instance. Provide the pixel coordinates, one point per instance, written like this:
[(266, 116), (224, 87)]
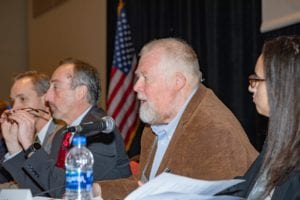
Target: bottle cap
[(78, 139)]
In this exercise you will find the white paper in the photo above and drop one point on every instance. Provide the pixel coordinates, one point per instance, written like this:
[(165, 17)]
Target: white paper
[(44, 198), (180, 196), (15, 194), (168, 183)]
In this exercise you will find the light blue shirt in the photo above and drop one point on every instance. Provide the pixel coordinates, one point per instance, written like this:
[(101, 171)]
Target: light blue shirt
[(164, 135)]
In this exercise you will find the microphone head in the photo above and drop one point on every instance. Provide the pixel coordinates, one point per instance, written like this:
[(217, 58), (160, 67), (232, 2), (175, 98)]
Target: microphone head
[(109, 123)]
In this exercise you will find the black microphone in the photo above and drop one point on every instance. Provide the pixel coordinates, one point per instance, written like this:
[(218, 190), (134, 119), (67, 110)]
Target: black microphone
[(105, 125)]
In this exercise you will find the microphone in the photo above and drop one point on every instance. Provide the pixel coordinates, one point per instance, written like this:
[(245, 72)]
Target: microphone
[(105, 125)]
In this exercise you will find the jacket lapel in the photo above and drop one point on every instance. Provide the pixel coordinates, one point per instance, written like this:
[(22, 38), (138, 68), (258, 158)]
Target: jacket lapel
[(180, 133)]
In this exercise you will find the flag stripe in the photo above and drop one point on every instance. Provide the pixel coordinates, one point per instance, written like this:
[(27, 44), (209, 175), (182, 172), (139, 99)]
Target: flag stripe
[(127, 114), (117, 88), (122, 103)]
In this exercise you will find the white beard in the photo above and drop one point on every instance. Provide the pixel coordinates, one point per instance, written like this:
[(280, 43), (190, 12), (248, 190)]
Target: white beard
[(148, 114)]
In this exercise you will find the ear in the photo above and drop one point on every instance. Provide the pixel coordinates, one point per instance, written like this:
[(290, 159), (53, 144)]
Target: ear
[(180, 80), (81, 92)]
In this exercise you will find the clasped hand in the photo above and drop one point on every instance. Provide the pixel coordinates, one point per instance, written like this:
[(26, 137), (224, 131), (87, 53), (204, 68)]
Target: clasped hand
[(18, 129)]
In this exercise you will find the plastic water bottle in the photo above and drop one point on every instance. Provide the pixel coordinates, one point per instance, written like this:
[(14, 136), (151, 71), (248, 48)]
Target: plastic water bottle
[(79, 171)]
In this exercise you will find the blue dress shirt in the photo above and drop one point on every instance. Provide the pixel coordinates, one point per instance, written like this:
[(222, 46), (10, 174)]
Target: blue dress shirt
[(164, 133)]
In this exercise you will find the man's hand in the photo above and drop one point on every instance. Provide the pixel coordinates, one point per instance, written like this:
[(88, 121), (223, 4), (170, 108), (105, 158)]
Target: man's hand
[(140, 183), (97, 194), (10, 135), (26, 127)]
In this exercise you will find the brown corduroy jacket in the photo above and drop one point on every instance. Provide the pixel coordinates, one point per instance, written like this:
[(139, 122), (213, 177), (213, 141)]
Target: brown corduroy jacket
[(208, 143)]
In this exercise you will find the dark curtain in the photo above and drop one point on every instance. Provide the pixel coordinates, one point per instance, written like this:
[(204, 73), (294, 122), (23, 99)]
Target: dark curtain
[(224, 33)]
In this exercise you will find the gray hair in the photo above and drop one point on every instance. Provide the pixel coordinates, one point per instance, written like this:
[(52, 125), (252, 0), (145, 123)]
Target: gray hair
[(40, 81), (85, 74), (178, 55)]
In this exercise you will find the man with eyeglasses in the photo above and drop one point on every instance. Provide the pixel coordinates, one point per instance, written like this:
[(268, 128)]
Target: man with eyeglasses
[(73, 96), (28, 101)]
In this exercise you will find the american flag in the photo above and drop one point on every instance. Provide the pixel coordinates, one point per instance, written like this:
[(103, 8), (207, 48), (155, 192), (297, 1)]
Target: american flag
[(122, 103)]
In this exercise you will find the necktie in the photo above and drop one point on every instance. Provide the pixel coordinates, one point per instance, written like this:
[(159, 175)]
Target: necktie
[(65, 145)]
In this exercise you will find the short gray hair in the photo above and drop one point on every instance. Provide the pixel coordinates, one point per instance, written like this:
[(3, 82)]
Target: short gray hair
[(179, 54), (85, 74), (40, 81)]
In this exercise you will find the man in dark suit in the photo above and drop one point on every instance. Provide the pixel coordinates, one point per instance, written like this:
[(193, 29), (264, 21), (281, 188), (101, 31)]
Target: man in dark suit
[(73, 94), (28, 97), (3, 150)]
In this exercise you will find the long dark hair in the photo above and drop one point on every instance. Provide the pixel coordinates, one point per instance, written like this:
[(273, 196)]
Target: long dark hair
[(281, 57)]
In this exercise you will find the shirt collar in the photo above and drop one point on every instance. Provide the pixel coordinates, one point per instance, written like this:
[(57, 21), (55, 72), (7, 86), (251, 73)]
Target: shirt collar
[(78, 120), (43, 132), (169, 128)]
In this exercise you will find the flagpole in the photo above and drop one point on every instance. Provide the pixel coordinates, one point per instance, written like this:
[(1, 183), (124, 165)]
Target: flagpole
[(120, 6)]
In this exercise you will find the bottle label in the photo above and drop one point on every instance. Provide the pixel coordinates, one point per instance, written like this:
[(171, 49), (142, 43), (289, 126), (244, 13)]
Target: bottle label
[(79, 180)]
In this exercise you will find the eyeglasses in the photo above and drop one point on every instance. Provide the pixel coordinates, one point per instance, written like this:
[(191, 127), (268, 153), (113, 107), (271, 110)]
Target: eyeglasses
[(253, 80), (35, 112)]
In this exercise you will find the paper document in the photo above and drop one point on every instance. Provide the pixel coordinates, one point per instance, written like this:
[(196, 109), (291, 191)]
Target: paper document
[(180, 196), (170, 184), (48, 198), (43, 198)]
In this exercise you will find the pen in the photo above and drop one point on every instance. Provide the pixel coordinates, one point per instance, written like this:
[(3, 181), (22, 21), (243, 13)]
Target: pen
[(167, 170)]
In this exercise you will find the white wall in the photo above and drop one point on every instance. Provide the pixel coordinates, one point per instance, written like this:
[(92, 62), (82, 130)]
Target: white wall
[(279, 13), (13, 42), (76, 28)]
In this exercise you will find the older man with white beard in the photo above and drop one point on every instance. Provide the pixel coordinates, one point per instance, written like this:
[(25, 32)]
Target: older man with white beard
[(190, 132)]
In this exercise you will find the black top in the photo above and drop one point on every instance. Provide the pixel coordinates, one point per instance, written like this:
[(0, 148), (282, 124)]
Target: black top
[(287, 190)]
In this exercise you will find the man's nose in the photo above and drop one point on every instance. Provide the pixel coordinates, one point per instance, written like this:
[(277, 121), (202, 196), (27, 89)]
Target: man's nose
[(17, 106), (137, 86), (48, 95)]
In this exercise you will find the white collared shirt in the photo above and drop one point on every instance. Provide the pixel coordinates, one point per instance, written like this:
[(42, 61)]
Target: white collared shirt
[(78, 120), (43, 132)]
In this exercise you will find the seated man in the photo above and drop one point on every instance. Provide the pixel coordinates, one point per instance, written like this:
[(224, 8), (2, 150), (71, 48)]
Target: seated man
[(28, 96), (3, 150), (191, 132), (73, 95)]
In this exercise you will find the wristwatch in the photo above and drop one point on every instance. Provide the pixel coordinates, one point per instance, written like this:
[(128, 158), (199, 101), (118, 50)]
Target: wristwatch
[(32, 148)]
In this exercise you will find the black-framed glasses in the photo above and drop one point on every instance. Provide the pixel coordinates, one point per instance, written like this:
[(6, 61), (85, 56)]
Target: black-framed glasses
[(254, 79)]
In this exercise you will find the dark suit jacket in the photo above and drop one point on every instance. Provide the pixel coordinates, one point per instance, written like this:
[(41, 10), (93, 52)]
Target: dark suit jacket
[(5, 176), (287, 190), (208, 143), (39, 172)]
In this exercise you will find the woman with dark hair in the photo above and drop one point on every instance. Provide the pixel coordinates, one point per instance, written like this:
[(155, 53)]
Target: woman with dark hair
[(276, 93)]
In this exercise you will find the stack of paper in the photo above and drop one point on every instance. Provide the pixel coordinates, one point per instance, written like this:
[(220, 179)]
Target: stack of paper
[(168, 186)]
